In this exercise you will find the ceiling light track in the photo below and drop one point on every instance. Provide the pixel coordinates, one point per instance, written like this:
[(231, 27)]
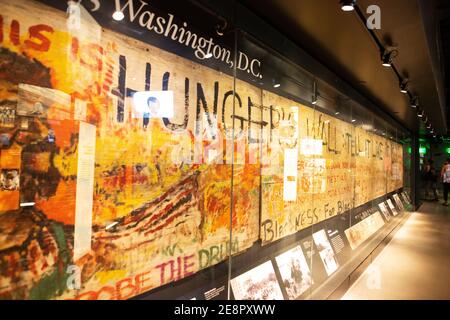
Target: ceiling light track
[(387, 54)]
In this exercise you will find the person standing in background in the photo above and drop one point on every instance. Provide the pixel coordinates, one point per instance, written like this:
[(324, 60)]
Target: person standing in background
[(431, 180), (445, 176), (424, 177)]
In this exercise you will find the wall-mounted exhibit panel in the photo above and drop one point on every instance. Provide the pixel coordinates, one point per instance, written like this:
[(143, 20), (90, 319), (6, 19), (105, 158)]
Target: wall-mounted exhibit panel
[(153, 158)]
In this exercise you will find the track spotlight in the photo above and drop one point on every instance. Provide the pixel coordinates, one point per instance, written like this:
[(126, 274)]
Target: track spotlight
[(118, 15), (420, 114), (276, 84), (404, 86), (386, 58), (414, 103), (348, 5)]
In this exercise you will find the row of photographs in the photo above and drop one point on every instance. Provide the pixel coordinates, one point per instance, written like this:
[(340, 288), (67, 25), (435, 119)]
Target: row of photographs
[(262, 283)]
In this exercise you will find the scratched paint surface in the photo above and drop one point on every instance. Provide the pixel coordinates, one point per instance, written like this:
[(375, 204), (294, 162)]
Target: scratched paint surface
[(164, 185), (353, 167)]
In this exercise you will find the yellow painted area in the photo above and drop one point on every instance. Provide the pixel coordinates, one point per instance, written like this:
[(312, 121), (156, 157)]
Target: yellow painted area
[(105, 277)]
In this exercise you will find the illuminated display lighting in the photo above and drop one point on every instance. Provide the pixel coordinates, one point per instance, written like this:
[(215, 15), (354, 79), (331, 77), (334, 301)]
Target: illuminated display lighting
[(153, 104), (348, 5), (118, 15), (386, 59), (404, 87)]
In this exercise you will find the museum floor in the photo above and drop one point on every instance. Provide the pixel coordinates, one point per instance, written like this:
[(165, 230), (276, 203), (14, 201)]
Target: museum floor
[(415, 264)]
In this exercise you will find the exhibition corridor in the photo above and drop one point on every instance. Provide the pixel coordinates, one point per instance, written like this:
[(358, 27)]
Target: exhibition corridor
[(415, 264), (181, 150)]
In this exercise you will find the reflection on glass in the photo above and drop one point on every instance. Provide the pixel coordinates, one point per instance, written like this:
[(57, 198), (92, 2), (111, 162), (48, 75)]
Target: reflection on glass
[(153, 104), (135, 187), (35, 101), (361, 231)]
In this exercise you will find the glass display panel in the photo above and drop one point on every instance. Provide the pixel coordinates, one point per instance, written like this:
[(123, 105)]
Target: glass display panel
[(163, 154)]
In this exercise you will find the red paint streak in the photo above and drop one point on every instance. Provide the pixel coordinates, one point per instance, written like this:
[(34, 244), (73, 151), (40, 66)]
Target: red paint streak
[(141, 280), (95, 295), (126, 289), (120, 236), (93, 59), (109, 76), (14, 35), (106, 88), (168, 207), (168, 222), (75, 47), (144, 213), (123, 289), (188, 266), (36, 33), (177, 269), (12, 267)]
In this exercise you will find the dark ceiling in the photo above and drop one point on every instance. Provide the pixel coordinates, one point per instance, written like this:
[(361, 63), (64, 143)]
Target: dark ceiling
[(443, 13), (342, 43)]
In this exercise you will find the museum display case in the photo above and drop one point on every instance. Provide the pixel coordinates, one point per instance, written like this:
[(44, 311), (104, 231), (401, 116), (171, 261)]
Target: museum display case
[(154, 151)]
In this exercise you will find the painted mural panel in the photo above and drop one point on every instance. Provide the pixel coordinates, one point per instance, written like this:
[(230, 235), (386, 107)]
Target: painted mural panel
[(395, 168), (342, 166), (323, 167), (161, 200), (370, 177), (161, 157)]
